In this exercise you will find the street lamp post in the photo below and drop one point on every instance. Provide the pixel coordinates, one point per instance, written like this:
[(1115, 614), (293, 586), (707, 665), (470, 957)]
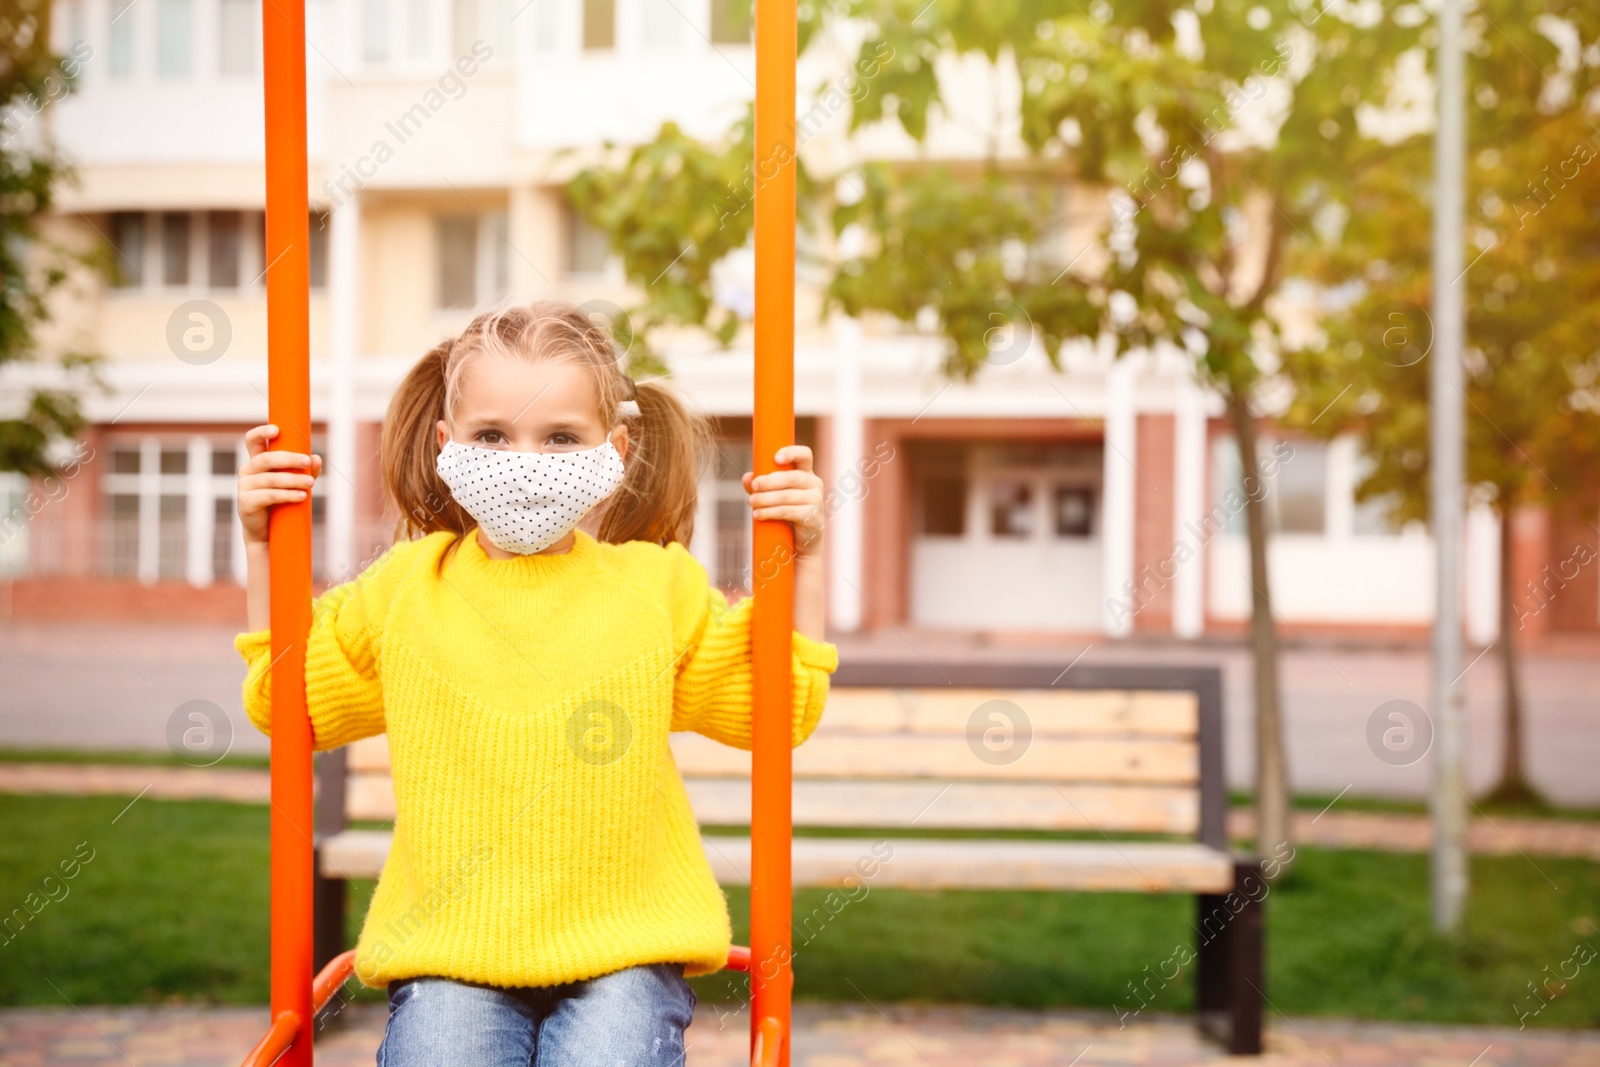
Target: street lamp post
[(1449, 802)]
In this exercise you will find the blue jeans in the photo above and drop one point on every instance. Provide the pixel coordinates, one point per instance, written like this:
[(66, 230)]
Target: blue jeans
[(635, 1016)]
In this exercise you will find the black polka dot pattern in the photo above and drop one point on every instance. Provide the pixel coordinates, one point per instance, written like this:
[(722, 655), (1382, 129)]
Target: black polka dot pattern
[(527, 501)]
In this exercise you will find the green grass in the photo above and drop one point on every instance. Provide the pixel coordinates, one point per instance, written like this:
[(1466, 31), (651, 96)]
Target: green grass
[(173, 907)]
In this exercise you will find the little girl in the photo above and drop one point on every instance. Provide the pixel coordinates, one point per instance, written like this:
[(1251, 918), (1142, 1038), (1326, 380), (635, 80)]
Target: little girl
[(546, 892)]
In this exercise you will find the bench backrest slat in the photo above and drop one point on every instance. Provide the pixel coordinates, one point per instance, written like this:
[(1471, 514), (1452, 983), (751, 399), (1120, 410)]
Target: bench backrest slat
[(924, 804), (1110, 749)]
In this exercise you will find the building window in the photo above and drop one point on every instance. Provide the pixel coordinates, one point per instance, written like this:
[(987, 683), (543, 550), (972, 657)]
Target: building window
[(222, 249), (122, 37), (547, 27), (238, 28), (14, 490), (417, 17), (1228, 509), (375, 31), (128, 241), (1373, 517), (599, 24), (1074, 511), (1011, 509), (464, 25), (730, 21), (944, 505), (318, 249), (74, 23), (174, 38), (489, 21), (458, 261), (588, 247), (661, 24), (1295, 496), (175, 236), (473, 259), (122, 552), (170, 513), (732, 570), (501, 14), (1300, 490)]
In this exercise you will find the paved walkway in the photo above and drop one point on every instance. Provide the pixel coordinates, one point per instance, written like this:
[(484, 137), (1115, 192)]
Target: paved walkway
[(826, 1035), (1389, 832), (112, 779)]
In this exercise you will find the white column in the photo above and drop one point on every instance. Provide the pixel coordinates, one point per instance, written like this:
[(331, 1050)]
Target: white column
[(344, 297), (1188, 508), (149, 556), (703, 545), (1482, 577), (846, 527), (1340, 490), (1116, 549), (202, 515)]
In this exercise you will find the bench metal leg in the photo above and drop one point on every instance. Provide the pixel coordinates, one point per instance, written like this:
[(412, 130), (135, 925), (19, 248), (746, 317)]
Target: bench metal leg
[(1229, 979), (328, 897), (328, 894)]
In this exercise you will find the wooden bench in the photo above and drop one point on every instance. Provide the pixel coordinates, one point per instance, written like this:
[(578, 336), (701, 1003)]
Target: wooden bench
[(1097, 750)]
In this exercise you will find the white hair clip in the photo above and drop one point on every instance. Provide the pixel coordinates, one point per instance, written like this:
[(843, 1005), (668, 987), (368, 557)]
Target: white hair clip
[(628, 407)]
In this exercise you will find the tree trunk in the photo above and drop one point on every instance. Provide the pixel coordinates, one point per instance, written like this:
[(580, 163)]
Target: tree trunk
[(1514, 787), (1272, 771)]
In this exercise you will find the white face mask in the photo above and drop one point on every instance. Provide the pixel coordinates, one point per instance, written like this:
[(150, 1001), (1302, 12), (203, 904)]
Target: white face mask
[(527, 501)]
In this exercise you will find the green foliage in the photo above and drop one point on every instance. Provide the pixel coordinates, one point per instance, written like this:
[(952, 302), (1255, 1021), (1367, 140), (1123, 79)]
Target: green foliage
[(968, 247), (1220, 130), (30, 76), (673, 210), (1533, 199), (1242, 149)]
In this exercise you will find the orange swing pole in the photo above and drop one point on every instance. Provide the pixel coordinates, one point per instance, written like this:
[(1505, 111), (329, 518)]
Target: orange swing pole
[(289, 397), (288, 278), (773, 575)]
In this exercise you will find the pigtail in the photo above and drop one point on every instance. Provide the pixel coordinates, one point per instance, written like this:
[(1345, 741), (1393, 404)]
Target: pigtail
[(659, 495), (410, 449)]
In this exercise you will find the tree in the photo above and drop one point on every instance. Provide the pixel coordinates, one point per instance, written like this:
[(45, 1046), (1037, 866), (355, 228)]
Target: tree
[(1532, 363), (31, 77), (672, 211), (1217, 132)]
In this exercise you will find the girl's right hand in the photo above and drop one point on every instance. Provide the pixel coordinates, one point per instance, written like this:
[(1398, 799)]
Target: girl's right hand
[(269, 478)]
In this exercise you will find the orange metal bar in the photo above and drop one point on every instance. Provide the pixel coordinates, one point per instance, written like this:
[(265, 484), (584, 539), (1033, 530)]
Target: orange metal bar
[(773, 584), (288, 276), (738, 958), (285, 1028), (335, 974), (768, 1044)]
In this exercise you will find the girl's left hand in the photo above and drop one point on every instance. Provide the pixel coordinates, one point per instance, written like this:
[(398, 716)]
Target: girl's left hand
[(794, 496)]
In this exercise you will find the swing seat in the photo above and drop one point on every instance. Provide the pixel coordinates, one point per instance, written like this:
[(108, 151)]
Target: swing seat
[(339, 970), (1134, 752)]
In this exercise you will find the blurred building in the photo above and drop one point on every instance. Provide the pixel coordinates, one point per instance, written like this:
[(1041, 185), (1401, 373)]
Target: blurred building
[(1092, 499)]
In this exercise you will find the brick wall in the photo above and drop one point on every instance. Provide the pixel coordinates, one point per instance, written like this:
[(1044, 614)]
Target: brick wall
[(1152, 522)]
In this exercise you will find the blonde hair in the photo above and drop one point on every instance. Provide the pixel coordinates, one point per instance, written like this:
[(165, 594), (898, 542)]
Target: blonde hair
[(666, 441)]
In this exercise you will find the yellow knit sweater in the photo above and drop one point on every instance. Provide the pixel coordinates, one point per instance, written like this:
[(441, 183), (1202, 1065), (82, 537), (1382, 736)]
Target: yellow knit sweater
[(543, 834)]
